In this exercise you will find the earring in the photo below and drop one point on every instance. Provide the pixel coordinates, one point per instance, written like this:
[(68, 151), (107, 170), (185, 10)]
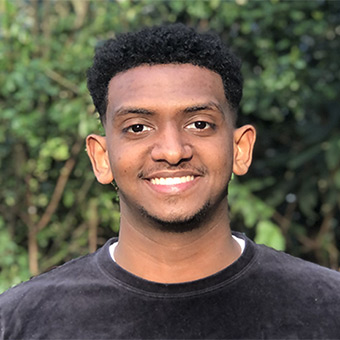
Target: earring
[(114, 184)]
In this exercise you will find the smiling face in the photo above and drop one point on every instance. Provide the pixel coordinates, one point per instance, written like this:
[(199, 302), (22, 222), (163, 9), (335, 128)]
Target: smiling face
[(170, 143)]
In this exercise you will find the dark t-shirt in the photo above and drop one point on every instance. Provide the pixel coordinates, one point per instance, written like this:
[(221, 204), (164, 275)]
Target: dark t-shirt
[(264, 294)]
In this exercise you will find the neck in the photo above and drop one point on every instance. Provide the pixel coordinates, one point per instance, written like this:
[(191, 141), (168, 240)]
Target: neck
[(166, 257)]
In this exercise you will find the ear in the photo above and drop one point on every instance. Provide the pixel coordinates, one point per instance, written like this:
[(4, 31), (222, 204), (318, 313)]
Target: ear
[(244, 140), (97, 151)]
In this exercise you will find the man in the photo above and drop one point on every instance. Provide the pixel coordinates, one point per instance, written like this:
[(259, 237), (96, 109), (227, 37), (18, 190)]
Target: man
[(168, 99)]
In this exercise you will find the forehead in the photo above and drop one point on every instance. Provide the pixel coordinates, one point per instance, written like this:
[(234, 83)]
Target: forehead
[(165, 85)]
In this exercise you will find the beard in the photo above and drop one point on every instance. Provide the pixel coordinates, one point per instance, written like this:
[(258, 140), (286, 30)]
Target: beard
[(178, 225)]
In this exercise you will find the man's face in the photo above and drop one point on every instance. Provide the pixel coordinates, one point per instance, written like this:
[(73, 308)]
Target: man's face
[(169, 142)]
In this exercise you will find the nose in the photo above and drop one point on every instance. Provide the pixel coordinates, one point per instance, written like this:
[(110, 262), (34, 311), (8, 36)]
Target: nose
[(171, 146)]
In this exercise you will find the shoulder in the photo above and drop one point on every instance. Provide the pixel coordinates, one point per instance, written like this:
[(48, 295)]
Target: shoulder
[(287, 264), (296, 276), (32, 307), (38, 285), (277, 271), (300, 296), (61, 280)]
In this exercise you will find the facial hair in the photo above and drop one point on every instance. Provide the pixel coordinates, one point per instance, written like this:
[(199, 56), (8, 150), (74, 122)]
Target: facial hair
[(183, 225)]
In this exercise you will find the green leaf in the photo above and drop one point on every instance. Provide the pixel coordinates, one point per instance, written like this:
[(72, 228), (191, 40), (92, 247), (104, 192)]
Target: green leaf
[(332, 154), (270, 234)]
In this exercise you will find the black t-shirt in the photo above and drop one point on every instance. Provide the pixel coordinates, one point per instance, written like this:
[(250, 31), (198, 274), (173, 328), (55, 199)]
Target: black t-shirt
[(264, 294)]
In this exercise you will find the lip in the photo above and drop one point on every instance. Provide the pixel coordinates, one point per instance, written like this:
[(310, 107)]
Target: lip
[(171, 180), (154, 182), (168, 174)]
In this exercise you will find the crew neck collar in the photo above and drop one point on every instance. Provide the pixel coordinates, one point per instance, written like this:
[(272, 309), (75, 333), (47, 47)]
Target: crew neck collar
[(141, 286)]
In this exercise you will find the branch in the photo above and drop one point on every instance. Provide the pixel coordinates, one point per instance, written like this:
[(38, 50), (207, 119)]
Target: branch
[(285, 220), (60, 186), (93, 225), (33, 249), (81, 8), (62, 81)]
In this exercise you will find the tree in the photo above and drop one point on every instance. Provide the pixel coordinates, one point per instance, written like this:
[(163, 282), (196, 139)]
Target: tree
[(51, 208)]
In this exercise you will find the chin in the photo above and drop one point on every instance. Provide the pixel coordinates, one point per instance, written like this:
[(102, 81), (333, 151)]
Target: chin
[(178, 224)]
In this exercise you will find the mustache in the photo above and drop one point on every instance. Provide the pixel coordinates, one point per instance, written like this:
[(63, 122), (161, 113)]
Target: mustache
[(198, 170)]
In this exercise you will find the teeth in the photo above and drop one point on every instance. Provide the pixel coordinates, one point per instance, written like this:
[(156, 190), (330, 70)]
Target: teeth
[(171, 180)]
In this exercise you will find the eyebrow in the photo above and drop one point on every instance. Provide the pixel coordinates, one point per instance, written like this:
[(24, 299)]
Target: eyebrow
[(126, 110), (203, 107), (190, 109)]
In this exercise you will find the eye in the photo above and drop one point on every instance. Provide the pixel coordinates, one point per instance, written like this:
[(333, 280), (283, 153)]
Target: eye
[(199, 125), (137, 128)]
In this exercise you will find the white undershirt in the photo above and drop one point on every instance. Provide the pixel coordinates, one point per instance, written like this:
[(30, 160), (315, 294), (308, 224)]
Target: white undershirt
[(240, 241)]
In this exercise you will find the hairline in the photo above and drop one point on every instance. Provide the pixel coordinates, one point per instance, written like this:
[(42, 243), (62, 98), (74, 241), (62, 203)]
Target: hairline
[(232, 111)]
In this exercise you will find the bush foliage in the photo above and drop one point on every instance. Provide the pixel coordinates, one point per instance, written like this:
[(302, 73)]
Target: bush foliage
[(51, 208)]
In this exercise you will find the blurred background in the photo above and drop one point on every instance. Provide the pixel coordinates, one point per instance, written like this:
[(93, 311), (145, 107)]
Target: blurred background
[(51, 207)]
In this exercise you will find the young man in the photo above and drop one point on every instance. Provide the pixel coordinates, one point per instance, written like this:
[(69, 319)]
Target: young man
[(168, 98)]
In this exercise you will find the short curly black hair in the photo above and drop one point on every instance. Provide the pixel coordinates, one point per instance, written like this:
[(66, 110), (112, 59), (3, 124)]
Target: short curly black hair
[(166, 44)]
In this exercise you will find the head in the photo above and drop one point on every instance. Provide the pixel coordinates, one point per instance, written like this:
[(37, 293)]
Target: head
[(168, 44), (168, 97)]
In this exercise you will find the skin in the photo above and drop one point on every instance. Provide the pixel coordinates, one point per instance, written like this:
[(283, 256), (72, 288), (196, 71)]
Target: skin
[(171, 146)]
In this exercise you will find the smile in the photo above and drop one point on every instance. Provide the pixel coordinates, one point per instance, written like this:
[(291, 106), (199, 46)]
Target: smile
[(171, 180)]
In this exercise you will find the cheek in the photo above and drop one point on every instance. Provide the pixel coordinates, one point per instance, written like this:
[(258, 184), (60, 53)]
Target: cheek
[(120, 165), (125, 161), (220, 155)]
